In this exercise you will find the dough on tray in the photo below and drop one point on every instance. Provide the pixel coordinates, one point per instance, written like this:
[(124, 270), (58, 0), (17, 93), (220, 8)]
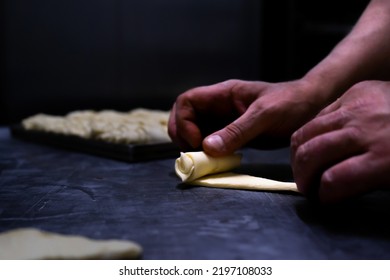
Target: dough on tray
[(197, 168), (30, 244), (139, 126)]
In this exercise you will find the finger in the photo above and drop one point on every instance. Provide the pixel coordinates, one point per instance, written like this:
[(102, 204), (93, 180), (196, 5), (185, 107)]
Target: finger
[(349, 178), (318, 154), (209, 99), (318, 126), (187, 131), (172, 131), (192, 104), (235, 135)]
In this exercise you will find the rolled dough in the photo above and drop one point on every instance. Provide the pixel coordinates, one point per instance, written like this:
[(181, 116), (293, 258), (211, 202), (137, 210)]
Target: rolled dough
[(34, 244), (197, 168), (193, 165)]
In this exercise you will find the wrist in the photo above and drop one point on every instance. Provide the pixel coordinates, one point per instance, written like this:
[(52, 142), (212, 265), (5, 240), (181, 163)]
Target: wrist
[(324, 88)]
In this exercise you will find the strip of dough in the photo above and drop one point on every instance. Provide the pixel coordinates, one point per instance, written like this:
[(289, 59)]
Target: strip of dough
[(193, 165), (231, 180), (33, 244), (197, 168)]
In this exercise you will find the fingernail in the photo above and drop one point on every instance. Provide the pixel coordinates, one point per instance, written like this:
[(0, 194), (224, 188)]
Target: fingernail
[(215, 142)]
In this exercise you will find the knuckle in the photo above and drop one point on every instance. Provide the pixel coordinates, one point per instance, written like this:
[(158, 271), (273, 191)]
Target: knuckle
[(235, 132), (229, 85), (182, 99), (187, 96), (295, 139), (231, 81), (353, 134), (302, 155), (237, 87), (328, 179), (341, 116)]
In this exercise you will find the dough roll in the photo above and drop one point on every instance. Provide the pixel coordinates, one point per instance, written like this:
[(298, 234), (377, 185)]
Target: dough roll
[(193, 165), (197, 168)]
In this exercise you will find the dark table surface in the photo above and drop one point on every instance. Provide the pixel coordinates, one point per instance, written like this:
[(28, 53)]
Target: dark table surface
[(75, 193)]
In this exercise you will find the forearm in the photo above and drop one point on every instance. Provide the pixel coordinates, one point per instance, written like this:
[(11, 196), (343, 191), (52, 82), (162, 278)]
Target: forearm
[(362, 55)]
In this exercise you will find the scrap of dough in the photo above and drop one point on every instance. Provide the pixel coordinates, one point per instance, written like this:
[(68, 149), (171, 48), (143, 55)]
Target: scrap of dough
[(30, 244), (197, 168), (193, 165), (245, 182)]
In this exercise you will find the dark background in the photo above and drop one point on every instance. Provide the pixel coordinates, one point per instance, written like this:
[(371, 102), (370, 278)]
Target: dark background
[(58, 56)]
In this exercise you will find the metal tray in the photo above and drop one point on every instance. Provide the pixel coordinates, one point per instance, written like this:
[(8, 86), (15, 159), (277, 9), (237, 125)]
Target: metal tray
[(124, 152)]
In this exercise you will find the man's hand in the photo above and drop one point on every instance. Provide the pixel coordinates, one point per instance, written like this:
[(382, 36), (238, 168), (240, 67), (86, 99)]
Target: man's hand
[(224, 117), (345, 150)]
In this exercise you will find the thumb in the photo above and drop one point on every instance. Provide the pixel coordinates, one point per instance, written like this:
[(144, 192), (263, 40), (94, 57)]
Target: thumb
[(232, 137)]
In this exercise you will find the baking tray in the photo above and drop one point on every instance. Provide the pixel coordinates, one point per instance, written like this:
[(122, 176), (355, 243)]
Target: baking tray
[(123, 152)]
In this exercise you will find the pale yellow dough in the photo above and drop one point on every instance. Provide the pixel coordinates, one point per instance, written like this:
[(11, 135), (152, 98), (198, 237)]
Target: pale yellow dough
[(231, 180), (193, 165), (197, 168), (34, 244), (138, 126)]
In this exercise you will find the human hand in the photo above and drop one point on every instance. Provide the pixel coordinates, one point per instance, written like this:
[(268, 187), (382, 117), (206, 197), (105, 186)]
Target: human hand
[(345, 150), (224, 117)]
